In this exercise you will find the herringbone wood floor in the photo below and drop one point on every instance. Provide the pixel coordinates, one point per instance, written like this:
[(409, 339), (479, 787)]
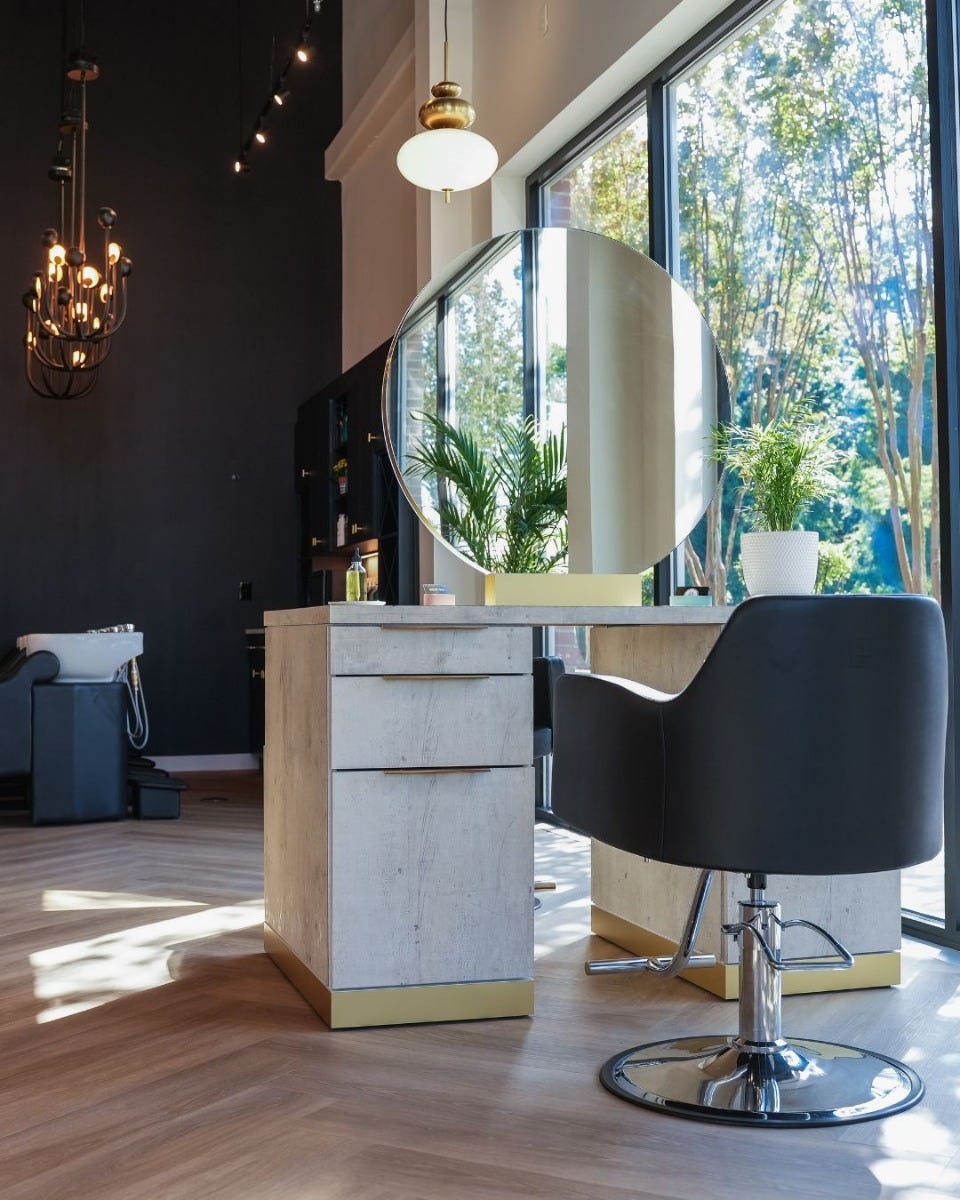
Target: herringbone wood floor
[(149, 1051)]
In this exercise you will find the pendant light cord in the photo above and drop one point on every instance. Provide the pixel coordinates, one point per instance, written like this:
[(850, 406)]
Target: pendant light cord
[(64, 18), (446, 64)]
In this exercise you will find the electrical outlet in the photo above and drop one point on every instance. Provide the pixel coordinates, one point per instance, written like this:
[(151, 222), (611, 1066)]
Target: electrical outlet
[(246, 590)]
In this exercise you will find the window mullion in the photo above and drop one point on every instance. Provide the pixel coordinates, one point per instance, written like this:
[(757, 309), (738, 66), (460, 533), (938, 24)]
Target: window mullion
[(662, 204)]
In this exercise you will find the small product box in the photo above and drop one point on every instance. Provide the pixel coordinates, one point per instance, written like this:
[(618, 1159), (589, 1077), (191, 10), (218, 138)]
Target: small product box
[(436, 593)]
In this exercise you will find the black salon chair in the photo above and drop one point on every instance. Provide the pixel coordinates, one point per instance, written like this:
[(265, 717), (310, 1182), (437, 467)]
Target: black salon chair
[(811, 742), (547, 669), (18, 673)]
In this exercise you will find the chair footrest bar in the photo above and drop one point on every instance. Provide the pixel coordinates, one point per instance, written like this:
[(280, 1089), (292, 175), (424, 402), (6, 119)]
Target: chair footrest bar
[(844, 961), (616, 966)]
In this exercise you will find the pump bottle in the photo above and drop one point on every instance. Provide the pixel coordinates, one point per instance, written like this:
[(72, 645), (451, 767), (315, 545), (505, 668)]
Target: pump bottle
[(356, 579)]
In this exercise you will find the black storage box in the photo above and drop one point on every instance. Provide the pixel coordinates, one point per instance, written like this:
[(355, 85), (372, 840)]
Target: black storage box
[(156, 799)]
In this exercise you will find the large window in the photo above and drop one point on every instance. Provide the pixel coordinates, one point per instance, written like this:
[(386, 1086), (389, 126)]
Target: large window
[(607, 191), (788, 162)]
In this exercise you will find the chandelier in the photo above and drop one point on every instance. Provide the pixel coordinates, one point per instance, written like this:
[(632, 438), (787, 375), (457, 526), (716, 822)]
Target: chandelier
[(78, 301), (447, 157)]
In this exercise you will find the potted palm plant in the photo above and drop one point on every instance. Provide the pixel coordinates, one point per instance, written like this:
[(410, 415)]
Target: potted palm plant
[(506, 510), (783, 467)]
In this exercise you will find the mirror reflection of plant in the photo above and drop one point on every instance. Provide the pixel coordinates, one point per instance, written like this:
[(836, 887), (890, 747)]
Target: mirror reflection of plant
[(784, 467), (507, 512)]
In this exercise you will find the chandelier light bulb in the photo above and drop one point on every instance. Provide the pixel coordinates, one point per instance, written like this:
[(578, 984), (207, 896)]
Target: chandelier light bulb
[(303, 54), (63, 357), (280, 98), (260, 136)]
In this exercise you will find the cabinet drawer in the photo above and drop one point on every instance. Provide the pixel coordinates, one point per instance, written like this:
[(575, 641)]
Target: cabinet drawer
[(431, 877), (414, 650), (440, 721)]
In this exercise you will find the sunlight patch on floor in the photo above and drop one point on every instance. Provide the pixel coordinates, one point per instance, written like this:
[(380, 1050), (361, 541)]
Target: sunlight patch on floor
[(84, 975), (919, 1132), (55, 900)]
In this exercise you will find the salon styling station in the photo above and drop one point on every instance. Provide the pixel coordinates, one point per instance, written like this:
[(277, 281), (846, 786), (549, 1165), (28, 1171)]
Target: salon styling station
[(399, 780), (400, 811)]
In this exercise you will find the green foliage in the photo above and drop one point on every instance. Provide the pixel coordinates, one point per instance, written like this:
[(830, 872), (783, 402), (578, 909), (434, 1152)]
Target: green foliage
[(804, 233), (609, 191), (487, 340), (784, 467), (837, 562), (507, 512)]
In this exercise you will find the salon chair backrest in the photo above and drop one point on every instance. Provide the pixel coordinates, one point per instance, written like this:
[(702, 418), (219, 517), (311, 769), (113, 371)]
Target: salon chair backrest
[(810, 742)]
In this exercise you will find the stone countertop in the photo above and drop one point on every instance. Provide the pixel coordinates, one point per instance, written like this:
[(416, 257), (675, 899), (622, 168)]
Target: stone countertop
[(470, 614)]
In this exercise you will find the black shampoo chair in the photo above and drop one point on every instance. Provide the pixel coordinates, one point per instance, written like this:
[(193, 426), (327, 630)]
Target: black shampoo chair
[(18, 673), (811, 742)]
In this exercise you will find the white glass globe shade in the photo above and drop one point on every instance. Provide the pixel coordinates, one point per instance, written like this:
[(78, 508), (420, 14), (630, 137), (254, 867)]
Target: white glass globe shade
[(447, 159)]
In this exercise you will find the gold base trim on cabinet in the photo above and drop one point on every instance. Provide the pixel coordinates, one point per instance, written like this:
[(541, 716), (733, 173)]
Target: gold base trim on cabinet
[(869, 970), (554, 588), (356, 1008)]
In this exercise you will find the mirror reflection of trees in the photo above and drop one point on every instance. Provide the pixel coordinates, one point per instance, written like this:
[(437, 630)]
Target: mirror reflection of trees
[(485, 325), (803, 232), (491, 478)]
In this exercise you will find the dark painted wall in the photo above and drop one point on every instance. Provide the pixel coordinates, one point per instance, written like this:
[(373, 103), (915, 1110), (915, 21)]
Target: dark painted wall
[(152, 498)]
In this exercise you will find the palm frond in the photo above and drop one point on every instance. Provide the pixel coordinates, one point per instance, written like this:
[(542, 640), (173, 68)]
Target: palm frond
[(508, 512)]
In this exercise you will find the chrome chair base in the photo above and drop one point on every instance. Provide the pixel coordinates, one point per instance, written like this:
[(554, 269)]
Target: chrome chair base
[(792, 1083)]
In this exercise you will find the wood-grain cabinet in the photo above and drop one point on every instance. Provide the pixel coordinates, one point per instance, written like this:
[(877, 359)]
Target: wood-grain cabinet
[(405, 754)]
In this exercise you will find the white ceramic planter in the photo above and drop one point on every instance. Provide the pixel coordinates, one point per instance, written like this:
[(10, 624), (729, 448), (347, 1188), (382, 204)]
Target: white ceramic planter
[(780, 564)]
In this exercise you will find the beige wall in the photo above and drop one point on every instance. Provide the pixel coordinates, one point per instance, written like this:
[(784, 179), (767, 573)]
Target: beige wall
[(371, 30), (537, 71)]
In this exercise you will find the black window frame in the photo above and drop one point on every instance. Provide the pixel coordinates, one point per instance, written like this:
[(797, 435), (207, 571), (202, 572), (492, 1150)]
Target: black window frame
[(653, 94)]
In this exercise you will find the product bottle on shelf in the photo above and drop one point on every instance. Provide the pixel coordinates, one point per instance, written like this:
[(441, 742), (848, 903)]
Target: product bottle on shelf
[(356, 579)]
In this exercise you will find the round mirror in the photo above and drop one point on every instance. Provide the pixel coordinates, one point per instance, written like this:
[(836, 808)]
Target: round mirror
[(549, 402)]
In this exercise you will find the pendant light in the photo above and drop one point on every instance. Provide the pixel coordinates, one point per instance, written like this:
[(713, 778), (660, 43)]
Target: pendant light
[(447, 157), (73, 306)]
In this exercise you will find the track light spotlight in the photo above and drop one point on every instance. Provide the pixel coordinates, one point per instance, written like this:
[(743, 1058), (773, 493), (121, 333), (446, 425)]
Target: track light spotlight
[(278, 96)]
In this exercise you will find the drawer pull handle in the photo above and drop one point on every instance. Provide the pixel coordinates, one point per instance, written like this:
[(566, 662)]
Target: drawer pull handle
[(432, 628), (431, 678), (435, 770), (254, 674)]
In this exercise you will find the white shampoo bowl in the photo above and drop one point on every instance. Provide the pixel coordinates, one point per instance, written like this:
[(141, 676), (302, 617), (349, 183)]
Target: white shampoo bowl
[(86, 657)]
